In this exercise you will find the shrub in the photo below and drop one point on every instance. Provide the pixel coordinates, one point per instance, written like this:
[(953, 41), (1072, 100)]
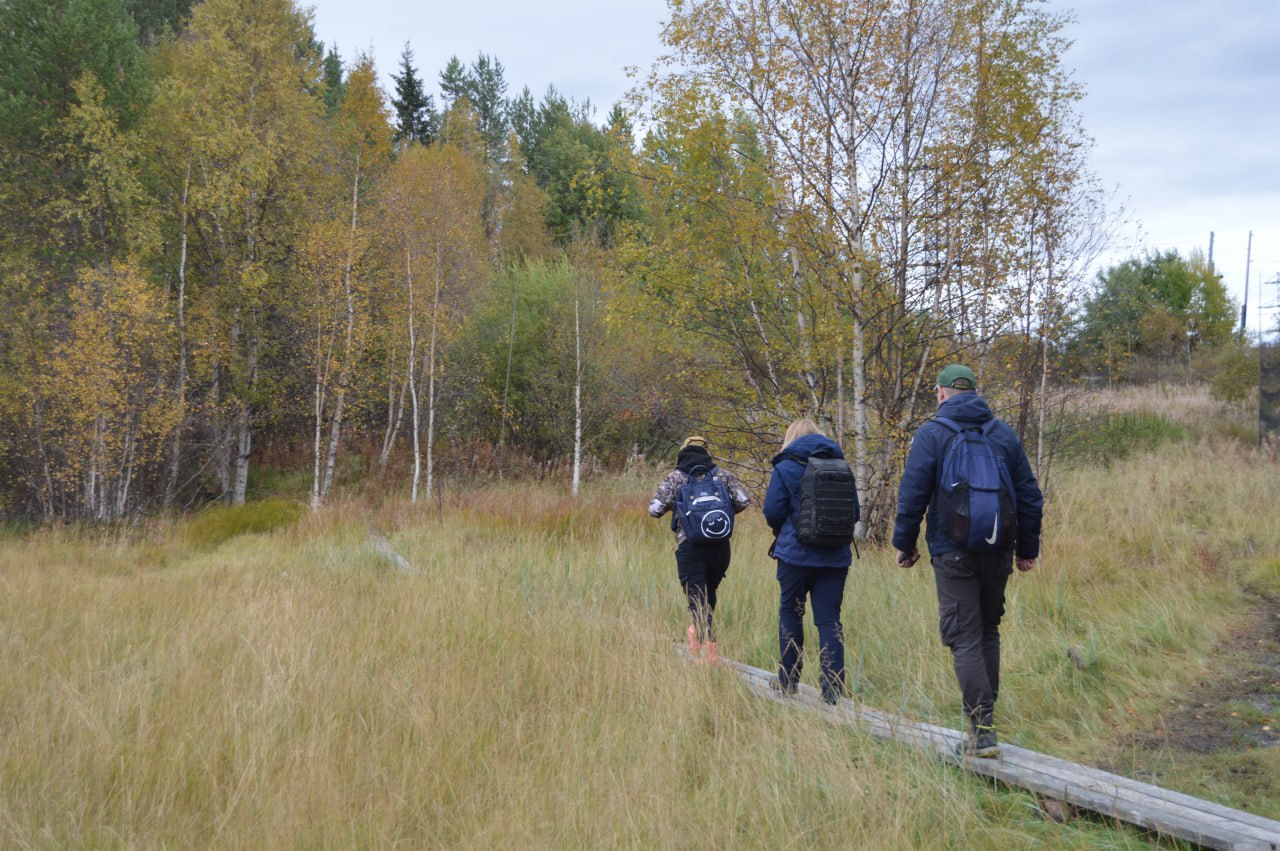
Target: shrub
[(1110, 436), (1235, 374), (220, 523)]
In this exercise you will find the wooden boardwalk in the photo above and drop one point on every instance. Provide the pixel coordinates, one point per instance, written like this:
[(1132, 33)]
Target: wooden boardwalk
[(1170, 814)]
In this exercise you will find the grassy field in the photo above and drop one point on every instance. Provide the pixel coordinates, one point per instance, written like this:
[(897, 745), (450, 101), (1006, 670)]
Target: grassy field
[(192, 687)]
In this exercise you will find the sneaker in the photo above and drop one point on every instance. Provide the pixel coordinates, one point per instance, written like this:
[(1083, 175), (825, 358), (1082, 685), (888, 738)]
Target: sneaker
[(981, 743)]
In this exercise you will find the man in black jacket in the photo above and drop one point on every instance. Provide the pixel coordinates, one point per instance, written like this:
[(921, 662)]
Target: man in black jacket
[(970, 585)]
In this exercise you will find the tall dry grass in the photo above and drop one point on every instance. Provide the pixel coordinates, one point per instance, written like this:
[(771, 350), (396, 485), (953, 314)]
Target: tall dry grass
[(1186, 404), (520, 687)]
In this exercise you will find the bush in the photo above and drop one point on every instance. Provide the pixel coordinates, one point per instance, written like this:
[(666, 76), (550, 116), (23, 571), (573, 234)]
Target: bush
[(1110, 436), (220, 523), (1235, 374)]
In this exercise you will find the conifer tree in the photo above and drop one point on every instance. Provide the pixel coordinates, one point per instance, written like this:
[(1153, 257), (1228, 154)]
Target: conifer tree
[(332, 74), (484, 86), (416, 118), (488, 94), (453, 82), (157, 17)]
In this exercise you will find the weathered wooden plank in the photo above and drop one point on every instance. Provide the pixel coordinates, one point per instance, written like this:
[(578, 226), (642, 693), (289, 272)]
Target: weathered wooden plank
[(1128, 787), (1146, 805)]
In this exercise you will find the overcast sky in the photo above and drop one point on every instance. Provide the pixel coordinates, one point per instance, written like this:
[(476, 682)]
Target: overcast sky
[(1183, 97)]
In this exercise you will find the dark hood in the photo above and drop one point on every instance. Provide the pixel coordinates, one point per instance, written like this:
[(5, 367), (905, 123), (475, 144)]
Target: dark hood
[(691, 457), (809, 444), (966, 408)]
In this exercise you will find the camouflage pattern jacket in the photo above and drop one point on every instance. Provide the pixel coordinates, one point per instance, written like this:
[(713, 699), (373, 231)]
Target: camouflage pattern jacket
[(664, 499)]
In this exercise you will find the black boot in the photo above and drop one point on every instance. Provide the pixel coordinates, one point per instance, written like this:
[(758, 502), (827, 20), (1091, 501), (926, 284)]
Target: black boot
[(981, 742)]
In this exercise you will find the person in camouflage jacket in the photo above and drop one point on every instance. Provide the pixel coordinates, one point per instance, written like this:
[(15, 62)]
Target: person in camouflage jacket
[(700, 567)]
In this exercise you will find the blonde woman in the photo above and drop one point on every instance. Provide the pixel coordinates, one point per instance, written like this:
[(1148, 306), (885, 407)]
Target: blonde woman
[(805, 573)]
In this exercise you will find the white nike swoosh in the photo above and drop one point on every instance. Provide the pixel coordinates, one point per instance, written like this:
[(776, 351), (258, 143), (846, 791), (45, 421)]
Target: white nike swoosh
[(995, 530)]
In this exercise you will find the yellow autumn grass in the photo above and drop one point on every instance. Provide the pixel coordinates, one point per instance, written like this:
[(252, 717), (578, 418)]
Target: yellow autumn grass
[(520, 686)]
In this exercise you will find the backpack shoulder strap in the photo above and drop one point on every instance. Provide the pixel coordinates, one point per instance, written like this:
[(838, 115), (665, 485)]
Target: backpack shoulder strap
[(990, 426), (949, 423), (788, 456)]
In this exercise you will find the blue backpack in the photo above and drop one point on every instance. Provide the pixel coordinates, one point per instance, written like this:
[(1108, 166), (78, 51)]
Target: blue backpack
[(704, 508), (977, 504)]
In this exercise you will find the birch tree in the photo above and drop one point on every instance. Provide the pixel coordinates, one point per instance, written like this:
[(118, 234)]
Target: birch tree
[(892, 135), (431, 203), (751, 327), (243, 82), (361, 135), (110, 412)]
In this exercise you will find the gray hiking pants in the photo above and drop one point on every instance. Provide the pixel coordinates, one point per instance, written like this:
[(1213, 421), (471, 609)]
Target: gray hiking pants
[(970, 606)]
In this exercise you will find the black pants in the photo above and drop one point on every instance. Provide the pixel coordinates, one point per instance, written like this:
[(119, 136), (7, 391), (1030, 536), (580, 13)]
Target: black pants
[(701, 568), (970, 606), (825, 587)]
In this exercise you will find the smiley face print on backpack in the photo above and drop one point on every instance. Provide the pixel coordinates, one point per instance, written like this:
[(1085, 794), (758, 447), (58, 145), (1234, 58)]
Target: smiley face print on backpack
[(703, 508)]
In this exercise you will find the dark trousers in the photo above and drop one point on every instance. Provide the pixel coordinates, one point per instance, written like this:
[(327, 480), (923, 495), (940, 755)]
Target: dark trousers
[(970, 606), (825, 587), (701, 568)]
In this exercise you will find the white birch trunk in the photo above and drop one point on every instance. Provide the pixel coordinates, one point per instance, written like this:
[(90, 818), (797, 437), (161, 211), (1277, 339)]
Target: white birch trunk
[(348, 349), (431, 373), (180, 390), (802, 332), (412, 377), (47, 496), (91, 477), (395, 416), (128, 462), (858, 355), (244, 434), (318, 405)]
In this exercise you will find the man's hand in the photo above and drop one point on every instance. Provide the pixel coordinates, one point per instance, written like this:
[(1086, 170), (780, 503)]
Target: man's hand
[(907, 559), (1025, 564)]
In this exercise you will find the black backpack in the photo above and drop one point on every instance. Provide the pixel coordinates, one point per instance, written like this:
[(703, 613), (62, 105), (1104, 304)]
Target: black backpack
[(704, 508), (828, 509)]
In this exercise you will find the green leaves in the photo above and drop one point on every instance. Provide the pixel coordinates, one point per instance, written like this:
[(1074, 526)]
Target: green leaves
[(1155, 306)]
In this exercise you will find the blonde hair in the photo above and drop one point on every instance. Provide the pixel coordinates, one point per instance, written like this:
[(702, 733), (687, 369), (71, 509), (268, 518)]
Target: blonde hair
[(799, 428)]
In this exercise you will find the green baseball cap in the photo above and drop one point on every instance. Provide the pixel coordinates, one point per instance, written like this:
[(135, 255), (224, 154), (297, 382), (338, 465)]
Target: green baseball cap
[(958, 376)]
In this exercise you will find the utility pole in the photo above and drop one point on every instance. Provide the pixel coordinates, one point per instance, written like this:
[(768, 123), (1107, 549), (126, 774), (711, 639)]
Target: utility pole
[(1244, 309)]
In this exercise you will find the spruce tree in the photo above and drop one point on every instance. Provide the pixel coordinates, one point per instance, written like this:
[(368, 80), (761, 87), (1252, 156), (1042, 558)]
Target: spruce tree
[(416, 119), (157, 17), (487, 89), (331, 73)]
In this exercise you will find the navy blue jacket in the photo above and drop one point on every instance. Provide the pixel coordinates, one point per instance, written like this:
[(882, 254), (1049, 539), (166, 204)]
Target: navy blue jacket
[(918, 489), (781, 501)]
